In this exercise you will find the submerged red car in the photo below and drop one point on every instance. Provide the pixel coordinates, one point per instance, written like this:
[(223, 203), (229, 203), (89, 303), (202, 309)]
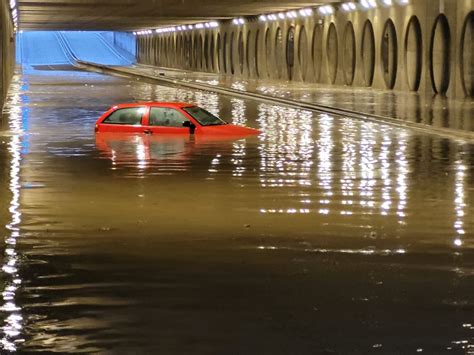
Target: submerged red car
[(167, 118)]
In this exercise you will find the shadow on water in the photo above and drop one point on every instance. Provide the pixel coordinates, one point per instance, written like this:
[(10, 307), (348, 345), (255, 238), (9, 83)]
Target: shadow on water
[(322, 235)]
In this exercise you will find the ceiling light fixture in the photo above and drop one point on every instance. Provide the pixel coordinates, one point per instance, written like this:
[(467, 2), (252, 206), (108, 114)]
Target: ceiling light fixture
[(368, 4), (306, 12), (349, 6), (238, 21), (326, 10)]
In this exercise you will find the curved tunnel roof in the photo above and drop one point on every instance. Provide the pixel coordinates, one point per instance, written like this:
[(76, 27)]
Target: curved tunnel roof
[(129, 15)]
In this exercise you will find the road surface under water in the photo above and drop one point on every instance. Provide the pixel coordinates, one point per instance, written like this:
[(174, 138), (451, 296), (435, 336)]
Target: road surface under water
[(322, 235)]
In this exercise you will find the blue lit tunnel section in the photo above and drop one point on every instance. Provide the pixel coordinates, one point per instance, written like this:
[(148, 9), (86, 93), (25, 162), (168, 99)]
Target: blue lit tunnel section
[(66, 47)]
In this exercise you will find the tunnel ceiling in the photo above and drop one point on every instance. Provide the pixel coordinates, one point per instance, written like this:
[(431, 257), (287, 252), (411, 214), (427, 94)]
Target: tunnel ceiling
[(140, 14)]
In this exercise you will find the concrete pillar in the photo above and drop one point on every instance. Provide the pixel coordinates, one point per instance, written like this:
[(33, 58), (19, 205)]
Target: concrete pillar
[(7, 50)]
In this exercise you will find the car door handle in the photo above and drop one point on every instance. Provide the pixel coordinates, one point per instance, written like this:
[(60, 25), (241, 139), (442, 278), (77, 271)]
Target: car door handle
[(147, 131)]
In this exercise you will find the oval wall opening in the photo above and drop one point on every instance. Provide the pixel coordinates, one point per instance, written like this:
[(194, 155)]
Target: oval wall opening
[(368, 53), (413, 53), (317, 51), (290, 51), (332, 53), (349, 55), (440, 55), (389, 54), (467, 55)]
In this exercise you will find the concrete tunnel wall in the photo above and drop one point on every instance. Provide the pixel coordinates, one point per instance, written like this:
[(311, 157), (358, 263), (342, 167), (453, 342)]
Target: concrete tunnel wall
[(426, 47), (7, 50)]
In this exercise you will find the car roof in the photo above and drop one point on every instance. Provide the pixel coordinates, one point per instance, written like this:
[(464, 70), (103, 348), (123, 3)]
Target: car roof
[(153, 103)]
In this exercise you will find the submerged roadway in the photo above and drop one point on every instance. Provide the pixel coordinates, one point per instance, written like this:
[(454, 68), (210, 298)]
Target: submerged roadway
[(322, 235)]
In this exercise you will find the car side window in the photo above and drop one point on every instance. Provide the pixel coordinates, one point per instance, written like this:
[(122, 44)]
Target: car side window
[(126, 116), (166, 117)]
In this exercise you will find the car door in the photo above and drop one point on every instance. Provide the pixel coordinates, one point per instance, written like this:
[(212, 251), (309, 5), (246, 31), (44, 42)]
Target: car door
[(167, 120), (127, 119)]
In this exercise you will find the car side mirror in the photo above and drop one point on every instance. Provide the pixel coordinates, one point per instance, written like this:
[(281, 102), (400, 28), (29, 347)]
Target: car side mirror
[(191, 126)]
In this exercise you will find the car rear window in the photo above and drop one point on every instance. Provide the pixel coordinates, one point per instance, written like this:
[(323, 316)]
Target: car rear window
[(126, 116)]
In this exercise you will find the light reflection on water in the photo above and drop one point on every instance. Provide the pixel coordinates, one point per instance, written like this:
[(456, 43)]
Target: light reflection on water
[(313, 192), (13, 322), (459, 202)]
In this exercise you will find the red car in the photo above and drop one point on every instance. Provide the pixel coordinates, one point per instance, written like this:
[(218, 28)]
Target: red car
[(167, 118)]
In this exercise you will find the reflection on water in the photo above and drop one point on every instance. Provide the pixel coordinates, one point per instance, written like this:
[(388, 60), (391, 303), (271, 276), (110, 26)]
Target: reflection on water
[(437, 111), (135, 243), (13, 320), (325, 147), (459, 202)]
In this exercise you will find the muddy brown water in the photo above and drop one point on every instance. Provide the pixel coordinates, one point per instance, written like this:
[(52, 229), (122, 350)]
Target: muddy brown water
[(322, 235)]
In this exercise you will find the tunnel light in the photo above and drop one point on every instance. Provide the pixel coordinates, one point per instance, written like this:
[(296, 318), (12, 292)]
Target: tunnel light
[(166, 30), (212, 24), (326, 10), (281, 16), (458, 242), (238, 21), (403, 2), (262, 18), (349, 7), (305, 12), (387, 2), (291, 14), (12, 4), (368, 4), (272, 17)]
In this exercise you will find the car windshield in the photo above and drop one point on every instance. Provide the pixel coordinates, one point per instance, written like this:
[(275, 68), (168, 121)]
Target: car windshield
[(203, 117)]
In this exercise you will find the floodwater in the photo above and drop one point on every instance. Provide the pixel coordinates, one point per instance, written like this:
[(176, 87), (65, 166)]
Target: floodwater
[(408, 107), (323, 235)]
